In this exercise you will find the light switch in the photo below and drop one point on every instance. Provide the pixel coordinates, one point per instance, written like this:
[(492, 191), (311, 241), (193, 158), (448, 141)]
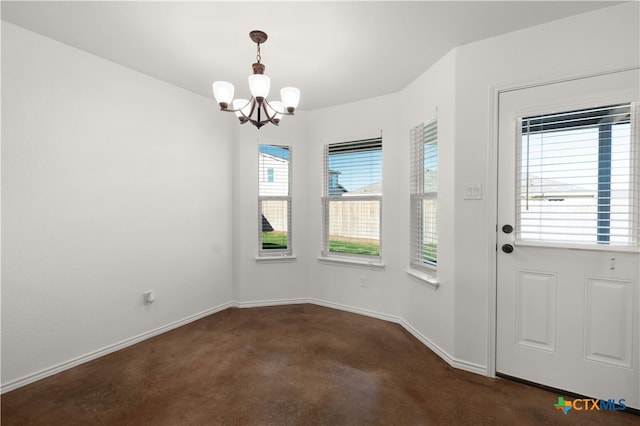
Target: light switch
[(473, 191)]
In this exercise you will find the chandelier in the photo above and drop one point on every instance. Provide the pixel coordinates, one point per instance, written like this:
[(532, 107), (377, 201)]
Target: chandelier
[(257, 110)]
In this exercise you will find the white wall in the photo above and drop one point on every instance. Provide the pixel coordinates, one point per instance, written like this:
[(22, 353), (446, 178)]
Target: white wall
[(257, 283), (430, 311), (113, 183), (339, 284), (603, 40)]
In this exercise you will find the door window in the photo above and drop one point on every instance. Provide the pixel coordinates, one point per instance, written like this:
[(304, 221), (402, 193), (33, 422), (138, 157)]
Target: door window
[(578, 177)]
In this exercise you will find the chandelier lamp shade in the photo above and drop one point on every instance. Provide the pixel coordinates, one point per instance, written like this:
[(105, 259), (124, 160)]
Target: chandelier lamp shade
[(257, 110)]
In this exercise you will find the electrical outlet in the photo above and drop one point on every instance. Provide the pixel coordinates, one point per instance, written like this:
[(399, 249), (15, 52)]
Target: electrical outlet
[(147, 297), (363, 280)]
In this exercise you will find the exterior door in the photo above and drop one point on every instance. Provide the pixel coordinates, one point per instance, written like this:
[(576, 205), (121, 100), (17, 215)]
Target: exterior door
[(568, 264)]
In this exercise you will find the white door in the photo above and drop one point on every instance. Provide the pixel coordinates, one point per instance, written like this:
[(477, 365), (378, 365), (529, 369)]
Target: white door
[(568, 270)]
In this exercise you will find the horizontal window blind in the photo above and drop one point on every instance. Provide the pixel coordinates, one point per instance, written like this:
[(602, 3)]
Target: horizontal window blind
[(424, 195), (356, 146), (274, 200), (578, 179), (352, 198)]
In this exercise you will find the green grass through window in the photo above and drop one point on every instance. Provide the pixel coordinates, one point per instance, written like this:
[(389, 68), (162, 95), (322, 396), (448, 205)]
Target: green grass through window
[(354, 246), (275, 240), (430, 253)]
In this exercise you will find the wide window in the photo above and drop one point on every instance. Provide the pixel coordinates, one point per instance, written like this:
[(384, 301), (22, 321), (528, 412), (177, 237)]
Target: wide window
[(424, 196), (274, 200), (352, 198), (579, 178)]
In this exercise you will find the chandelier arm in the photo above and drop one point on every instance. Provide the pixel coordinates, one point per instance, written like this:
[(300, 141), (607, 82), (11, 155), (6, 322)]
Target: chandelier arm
[(227, 109), (257, 123), (266, 104), (271, 118), (285, 112), (266, 111), (253, 106), (244, 117), (247, 118)]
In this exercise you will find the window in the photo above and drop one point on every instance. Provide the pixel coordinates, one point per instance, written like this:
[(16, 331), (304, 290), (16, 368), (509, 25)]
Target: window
[(579, 178), (352, 199), (274, 200), (424, 197)]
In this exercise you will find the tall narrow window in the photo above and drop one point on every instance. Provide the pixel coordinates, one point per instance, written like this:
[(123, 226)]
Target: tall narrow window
[(424, 196), (578, 177), (274, 200), (352, 198)]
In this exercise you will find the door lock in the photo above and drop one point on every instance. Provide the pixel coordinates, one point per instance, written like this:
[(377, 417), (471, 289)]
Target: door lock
[(507, 248), (507, 229)]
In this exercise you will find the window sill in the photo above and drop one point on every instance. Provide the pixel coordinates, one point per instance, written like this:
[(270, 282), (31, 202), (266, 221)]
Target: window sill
[(576, 246), (275, 259), (355, 262), (423, 278)]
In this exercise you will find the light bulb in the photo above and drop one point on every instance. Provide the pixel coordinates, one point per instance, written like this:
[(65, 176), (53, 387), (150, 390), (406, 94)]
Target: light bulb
[(290, 98), (223, 92), (259, 85)]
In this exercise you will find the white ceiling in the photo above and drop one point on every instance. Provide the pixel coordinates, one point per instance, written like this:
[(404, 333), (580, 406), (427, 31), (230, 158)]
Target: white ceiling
[(335, 52)]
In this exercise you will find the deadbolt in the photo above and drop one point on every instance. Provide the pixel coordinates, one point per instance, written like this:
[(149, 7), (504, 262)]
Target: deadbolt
[(507, 248), (507, 229)]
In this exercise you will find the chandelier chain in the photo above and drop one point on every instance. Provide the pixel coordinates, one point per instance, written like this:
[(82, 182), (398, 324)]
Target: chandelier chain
[(258, 57)]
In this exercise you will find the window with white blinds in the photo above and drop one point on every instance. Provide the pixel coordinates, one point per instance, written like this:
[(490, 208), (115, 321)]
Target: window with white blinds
[(578, 177), (274, 200), (352, 198), (424, 196)]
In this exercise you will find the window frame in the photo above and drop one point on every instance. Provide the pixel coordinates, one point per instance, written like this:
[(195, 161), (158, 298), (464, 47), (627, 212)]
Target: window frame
[(421, 135), (265, 177), (357, 259), (586, 118)]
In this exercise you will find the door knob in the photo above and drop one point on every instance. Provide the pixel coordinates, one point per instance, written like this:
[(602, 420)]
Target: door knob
[(507, 248)]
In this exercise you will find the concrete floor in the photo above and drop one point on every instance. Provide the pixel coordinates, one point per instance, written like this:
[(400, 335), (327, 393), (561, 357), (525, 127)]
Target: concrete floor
[(284, 365)]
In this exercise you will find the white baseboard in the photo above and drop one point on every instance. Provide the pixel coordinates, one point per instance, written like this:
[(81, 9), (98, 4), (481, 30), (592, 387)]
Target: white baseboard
[(353, 309), (452, 361), (30, 378), (277, 302)]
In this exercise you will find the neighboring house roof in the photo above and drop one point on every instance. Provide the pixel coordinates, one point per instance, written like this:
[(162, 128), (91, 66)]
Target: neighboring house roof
[(266, 226), (334, 187), (337, 190), (372, 189), (274, 157), (551, 188)]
